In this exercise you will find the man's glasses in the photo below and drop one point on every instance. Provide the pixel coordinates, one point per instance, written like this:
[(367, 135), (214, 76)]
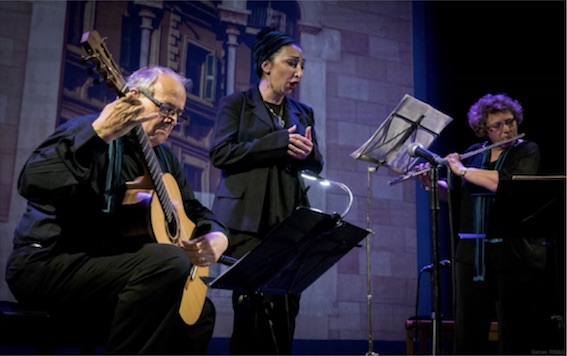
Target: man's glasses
[(166, 110), (499, 125)]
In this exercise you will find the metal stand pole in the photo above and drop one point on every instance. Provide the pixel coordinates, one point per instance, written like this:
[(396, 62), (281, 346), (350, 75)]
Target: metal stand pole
[(368, 270), (434, 210)]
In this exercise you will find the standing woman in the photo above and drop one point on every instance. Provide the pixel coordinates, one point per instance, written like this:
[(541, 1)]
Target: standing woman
[(262, 140), (496, 278)]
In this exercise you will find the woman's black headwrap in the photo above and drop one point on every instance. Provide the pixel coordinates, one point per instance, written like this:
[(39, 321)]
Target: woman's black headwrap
[(268, 42)]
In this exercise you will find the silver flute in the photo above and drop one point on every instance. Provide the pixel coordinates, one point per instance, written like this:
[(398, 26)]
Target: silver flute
[(405, 177)]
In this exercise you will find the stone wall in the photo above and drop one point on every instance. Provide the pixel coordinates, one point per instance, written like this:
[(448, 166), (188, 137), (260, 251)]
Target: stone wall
[(359, 66)]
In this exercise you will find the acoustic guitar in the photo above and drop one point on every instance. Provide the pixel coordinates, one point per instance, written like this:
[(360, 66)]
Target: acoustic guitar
[(156, 194)]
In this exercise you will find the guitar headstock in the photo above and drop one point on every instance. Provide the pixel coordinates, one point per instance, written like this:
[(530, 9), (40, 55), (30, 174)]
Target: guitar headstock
[(100, 56)]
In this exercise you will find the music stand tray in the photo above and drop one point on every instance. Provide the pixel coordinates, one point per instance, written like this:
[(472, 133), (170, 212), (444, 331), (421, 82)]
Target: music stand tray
[(293, 255), (529, 206)]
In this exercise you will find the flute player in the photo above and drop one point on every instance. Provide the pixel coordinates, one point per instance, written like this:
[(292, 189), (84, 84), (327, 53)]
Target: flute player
[(496, 279)]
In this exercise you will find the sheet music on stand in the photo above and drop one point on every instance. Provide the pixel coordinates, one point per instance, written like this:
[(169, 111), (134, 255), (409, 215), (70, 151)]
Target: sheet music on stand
[(411, 121), (293, 255)]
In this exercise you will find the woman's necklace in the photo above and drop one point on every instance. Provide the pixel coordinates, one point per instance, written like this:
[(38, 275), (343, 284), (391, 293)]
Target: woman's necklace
[(279, 116)]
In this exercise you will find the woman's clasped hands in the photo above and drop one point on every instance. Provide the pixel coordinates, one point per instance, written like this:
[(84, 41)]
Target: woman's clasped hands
[(299, 147)]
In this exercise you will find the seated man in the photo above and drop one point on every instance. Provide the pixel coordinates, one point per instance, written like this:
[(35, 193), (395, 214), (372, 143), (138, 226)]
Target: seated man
[(73, 248)]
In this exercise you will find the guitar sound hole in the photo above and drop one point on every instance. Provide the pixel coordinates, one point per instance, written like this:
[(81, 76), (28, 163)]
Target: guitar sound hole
[(172, 230)]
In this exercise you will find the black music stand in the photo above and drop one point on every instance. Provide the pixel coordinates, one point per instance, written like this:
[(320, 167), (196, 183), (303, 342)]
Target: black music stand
[(533, 207), (411, 121), (293, 255), (528, 206)]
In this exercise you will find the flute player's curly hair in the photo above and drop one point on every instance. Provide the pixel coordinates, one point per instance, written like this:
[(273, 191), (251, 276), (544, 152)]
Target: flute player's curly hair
[(491, 104)]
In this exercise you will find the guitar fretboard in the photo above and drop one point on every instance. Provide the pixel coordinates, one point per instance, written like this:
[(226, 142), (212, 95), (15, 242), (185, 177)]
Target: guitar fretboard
[(155, 172)]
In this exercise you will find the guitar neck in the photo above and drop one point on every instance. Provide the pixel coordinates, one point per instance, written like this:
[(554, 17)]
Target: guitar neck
[(99, 54), (155, 172)]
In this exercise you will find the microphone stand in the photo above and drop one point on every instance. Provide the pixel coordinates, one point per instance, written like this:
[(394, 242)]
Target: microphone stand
[(325, 182), (368, 266), (434, 211)]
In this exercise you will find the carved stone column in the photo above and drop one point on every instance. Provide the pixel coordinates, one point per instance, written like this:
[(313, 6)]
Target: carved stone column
[(234, 18), (231, 43), (147, 15), (146, 27)]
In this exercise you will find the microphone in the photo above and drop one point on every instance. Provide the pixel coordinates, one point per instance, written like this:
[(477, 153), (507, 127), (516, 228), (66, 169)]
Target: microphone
[(429, 267), (417, 149)]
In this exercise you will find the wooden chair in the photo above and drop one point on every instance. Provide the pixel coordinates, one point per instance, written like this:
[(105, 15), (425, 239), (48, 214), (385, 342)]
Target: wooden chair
[(421, 331)]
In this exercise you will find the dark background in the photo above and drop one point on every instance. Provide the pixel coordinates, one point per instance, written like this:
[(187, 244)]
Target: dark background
[(512, 47), (466, 49)]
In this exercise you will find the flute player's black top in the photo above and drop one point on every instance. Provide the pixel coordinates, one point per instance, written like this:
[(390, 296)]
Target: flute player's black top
[(475, 202)]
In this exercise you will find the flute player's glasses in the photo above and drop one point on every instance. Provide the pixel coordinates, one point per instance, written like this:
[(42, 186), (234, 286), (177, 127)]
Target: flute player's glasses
[(500, 125)]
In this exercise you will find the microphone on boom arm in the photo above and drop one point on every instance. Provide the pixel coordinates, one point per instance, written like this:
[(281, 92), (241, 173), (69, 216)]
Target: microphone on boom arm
[(416, 149)]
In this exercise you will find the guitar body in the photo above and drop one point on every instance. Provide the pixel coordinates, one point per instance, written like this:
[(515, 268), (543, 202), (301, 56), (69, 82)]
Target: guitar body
[(195, 290), (144, 220), (153, 205)]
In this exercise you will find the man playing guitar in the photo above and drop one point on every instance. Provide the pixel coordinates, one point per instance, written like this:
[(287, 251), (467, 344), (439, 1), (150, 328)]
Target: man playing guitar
[(74, 247)]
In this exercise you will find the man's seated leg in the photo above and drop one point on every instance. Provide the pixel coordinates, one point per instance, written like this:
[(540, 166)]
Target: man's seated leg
[(201, 333)]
